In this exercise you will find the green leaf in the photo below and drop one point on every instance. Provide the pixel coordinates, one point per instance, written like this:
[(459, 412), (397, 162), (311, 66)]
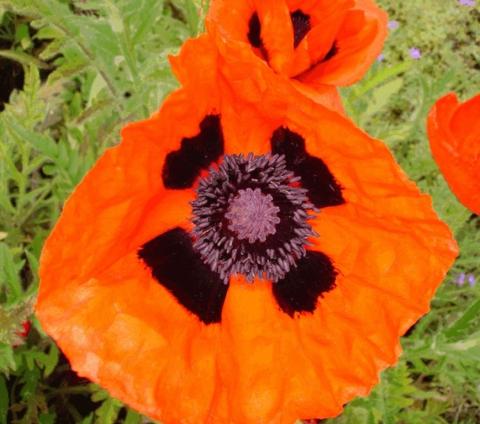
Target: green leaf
[(47, 418), (132, 417), (88, 419), (51, 360), (43, 143), (108, 411), (32, 261), (380, 96), (24, 58), (9, 274), (22, 36), (462, 323), (380, 77), (7, 360)]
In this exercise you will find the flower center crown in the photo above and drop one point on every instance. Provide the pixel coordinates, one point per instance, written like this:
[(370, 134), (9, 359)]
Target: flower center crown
[(251, 217)]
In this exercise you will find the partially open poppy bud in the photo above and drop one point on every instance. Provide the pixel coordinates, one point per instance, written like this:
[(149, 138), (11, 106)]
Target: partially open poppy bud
[(454, 134), (231, 263), (314, 45)]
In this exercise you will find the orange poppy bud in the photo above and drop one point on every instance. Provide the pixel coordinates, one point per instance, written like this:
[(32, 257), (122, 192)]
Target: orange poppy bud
[(231, 262), (454, 134), (315, 45)]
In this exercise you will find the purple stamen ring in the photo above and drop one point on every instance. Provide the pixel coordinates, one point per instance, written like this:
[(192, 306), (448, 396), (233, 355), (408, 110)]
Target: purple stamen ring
[(251, 217)]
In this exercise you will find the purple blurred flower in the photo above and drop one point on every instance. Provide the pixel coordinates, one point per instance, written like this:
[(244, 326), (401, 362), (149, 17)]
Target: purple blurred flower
[(462, 278), (460, 281), (415, 53), (470, 3), (393, 25), (380, 57)]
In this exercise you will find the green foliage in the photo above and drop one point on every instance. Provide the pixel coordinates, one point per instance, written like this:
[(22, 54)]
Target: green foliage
[(90, 66)]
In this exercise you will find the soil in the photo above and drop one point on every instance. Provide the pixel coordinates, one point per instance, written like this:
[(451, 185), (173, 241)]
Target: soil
[(11, 76)]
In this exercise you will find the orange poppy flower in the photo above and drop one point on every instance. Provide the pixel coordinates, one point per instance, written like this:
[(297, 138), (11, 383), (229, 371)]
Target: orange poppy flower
[(454, 133), (232, 264), (316, 45)]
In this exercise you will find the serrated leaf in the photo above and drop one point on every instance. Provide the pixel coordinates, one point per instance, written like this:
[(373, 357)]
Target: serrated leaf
[(7, 361), (68, 69), (9, 274), (24, 58), (40, 142), (380, 96), (51, 360)]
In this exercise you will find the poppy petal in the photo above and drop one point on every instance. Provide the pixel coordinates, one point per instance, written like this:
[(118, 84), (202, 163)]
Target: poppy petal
[(276, 32), (454, 134), (328, 19), (357, 44), (180, 269), (258, 364)]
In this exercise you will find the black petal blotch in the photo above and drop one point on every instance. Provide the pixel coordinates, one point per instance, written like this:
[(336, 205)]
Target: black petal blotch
[(323, 189), (301, 26), (177, 266), (300, 289), (183, 166), (254, 30)]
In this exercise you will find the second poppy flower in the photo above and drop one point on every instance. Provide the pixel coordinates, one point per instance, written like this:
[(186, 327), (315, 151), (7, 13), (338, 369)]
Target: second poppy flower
[(315, 44)]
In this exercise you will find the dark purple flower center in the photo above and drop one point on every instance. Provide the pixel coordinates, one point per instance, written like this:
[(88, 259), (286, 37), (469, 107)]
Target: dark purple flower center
[(251, 218)]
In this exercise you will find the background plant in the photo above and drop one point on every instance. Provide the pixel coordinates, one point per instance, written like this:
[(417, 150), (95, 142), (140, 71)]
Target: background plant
[(73, 72)]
